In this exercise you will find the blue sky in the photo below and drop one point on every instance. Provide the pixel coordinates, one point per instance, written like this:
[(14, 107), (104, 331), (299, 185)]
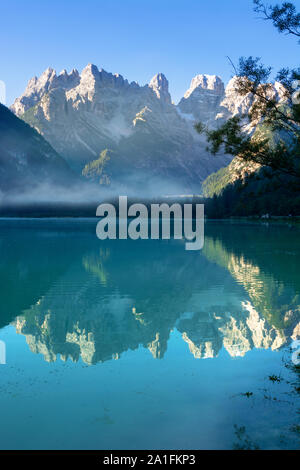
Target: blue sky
[(136, 38)]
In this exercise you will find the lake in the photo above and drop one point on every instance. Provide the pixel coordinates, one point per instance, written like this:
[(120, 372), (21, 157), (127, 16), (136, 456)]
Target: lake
[(142, 345)]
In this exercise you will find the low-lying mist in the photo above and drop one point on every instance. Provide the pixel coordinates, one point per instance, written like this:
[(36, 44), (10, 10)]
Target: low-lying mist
[(90, 194)]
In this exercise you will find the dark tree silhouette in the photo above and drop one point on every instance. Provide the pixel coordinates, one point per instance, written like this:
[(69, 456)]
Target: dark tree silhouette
[(284, 17)]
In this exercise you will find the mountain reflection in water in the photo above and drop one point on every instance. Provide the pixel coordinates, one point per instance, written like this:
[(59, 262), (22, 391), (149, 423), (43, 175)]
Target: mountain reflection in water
[(74, 296)]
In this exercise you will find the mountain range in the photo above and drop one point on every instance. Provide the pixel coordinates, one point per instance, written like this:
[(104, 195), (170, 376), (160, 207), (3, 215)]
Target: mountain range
[(121, 135), (148, 136)]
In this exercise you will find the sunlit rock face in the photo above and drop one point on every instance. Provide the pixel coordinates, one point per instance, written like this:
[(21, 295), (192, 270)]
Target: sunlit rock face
[(210, 102), (160, 86), (38, 87), (202, 100), (233, 103), (81, 115), (152, 140)]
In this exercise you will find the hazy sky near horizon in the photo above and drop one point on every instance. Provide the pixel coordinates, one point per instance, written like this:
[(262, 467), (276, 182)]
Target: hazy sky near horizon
[(136, 38)]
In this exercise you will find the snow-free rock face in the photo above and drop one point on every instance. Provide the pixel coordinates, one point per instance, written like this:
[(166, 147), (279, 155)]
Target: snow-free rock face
[(205, 82), (38, 87), (208, 101), (233, 103), (160, 86), (151, 139), (202, 100)]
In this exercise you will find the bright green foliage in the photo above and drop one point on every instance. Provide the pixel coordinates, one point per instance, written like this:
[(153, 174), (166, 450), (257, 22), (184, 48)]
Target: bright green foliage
[(95, 168), (216, 182)]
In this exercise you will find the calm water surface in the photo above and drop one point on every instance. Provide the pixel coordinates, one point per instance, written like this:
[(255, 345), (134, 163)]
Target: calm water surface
[(141, 344)]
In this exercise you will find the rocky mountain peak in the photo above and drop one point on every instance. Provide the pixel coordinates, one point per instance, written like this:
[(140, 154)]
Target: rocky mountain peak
[(90, 72), (38, 87), (83, 114), (92, 77), (48, 73), (202, 100), (65, 80), (74, 73), (205, 82), (234, 103), (160, 86), (46, 79)]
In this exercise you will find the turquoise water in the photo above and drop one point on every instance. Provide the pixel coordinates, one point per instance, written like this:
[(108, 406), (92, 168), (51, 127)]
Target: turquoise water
[(141, 344)]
